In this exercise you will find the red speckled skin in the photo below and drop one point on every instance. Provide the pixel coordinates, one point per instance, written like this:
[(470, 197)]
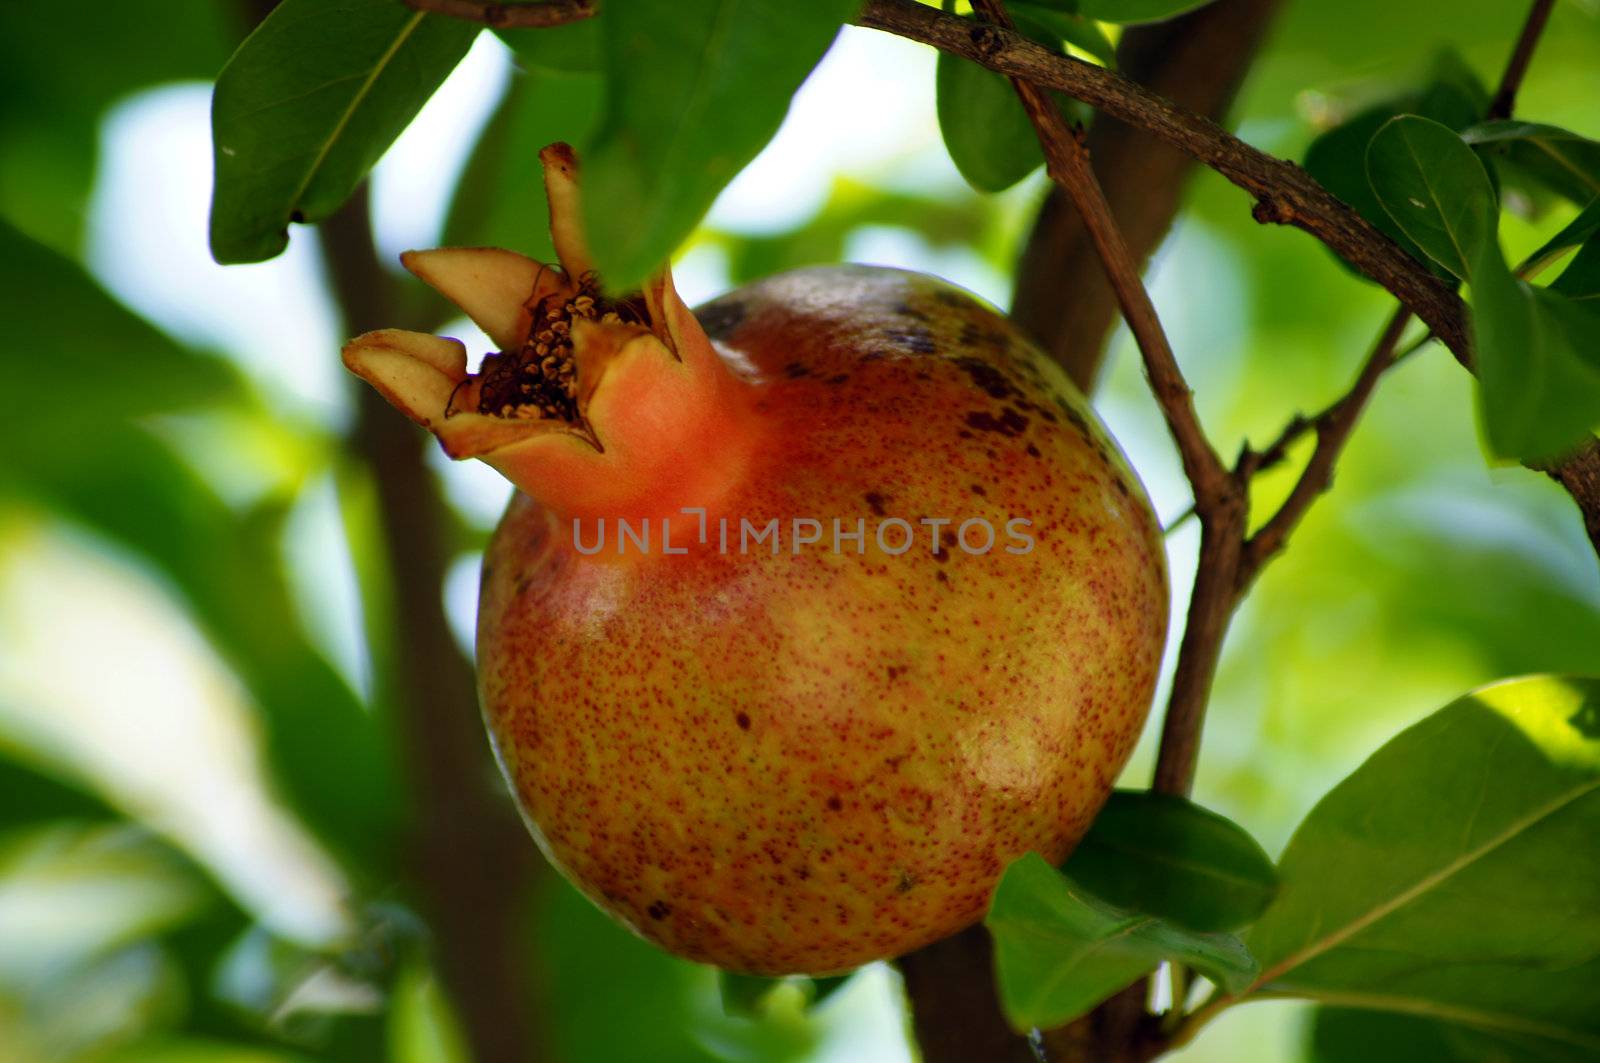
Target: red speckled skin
[(806, 762)]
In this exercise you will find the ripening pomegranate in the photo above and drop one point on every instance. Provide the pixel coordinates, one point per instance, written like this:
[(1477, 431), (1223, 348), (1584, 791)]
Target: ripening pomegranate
[(814, 607)]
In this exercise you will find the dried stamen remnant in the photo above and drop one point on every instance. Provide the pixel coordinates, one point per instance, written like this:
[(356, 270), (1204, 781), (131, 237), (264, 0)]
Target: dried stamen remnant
[(540, 380)]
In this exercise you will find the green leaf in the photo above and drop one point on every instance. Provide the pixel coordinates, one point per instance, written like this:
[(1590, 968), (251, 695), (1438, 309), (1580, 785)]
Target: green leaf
[(985, 127), (1082, 33), (694, 91), (1129, 12), (1450, 94), (1435, 189), (1455, 874), (1059, 950), (573, 48), (1168, 857), (1348, 1035), (196, 1050), (1574, 233), (330, 754), (1538, 377), (1569, 164), (1581, 279), (422, 1026), (499, 201), (307, 105), (73, 333)]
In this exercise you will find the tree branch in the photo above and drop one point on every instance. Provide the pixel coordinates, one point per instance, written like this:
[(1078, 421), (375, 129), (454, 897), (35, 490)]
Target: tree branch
[(541, 15), (471, 864), (1505, 96), (1197, 61)]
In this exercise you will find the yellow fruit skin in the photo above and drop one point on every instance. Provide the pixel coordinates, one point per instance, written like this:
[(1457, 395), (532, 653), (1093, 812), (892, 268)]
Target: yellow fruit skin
[(804, 762)]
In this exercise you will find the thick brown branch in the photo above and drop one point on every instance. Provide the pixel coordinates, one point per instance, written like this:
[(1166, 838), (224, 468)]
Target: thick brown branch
[(540, 15), (955, 1016), (1198, 62)]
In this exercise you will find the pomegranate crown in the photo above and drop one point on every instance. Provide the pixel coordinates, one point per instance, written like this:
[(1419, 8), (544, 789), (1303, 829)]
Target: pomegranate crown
[(579, 382)]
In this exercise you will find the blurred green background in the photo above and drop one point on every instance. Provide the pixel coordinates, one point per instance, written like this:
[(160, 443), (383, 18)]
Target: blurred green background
[(205, 811)]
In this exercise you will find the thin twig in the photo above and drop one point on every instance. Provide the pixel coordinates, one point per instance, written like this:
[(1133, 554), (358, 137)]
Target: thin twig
[(1332, 427), (540, 15), (1505, 96)]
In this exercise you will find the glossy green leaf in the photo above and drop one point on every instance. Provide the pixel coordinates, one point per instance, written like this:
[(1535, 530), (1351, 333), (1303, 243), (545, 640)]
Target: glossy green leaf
[(499, 201), (1538, 358), (1565, 161), (1348, 1035), (986, 129), (1129, 12), (1059, 950), (1434, 188), (1454, 874), (307, 105), (1450, 94), (1168, 857), (694, 91)]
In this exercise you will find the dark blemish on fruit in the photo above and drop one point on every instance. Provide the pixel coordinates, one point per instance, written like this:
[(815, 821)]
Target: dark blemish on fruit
[(1072, 415), (795, 370), (1010, 423), (949, 298), (840, 379), (722, 316), (977, 489), (1033, 451), (907, 882), (802, 874), (834, 804), (875, 503), (897, 672), (871, 356), (917, 341), (940, 554), (964, 434), (923, 375), (989, 379), (743, 720), (659, 910), (1121, 486), (523, 583), (907, 310), (941, 577)]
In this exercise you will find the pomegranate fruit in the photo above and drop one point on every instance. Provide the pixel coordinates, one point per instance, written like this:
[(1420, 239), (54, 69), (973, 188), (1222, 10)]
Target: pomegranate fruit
[(814, 607)]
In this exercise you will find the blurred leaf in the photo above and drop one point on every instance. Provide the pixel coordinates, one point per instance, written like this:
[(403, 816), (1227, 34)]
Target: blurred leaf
[(655, 1008), (1168, 857), (330, 754), (743, 995), (573, 48), (422, 1026), (694, 90), (1132, 11), (57, 81), (1080, 32), (1347, 1035), (91, 1008), (83, 356), (309, 103), (1574, 233), (1581, 279), (194, 1050), (1455, 872), (1538, 363), (1565, 161), (1059, 950), (33, 797), (70, 892), (499, 201), (1435, 189)]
